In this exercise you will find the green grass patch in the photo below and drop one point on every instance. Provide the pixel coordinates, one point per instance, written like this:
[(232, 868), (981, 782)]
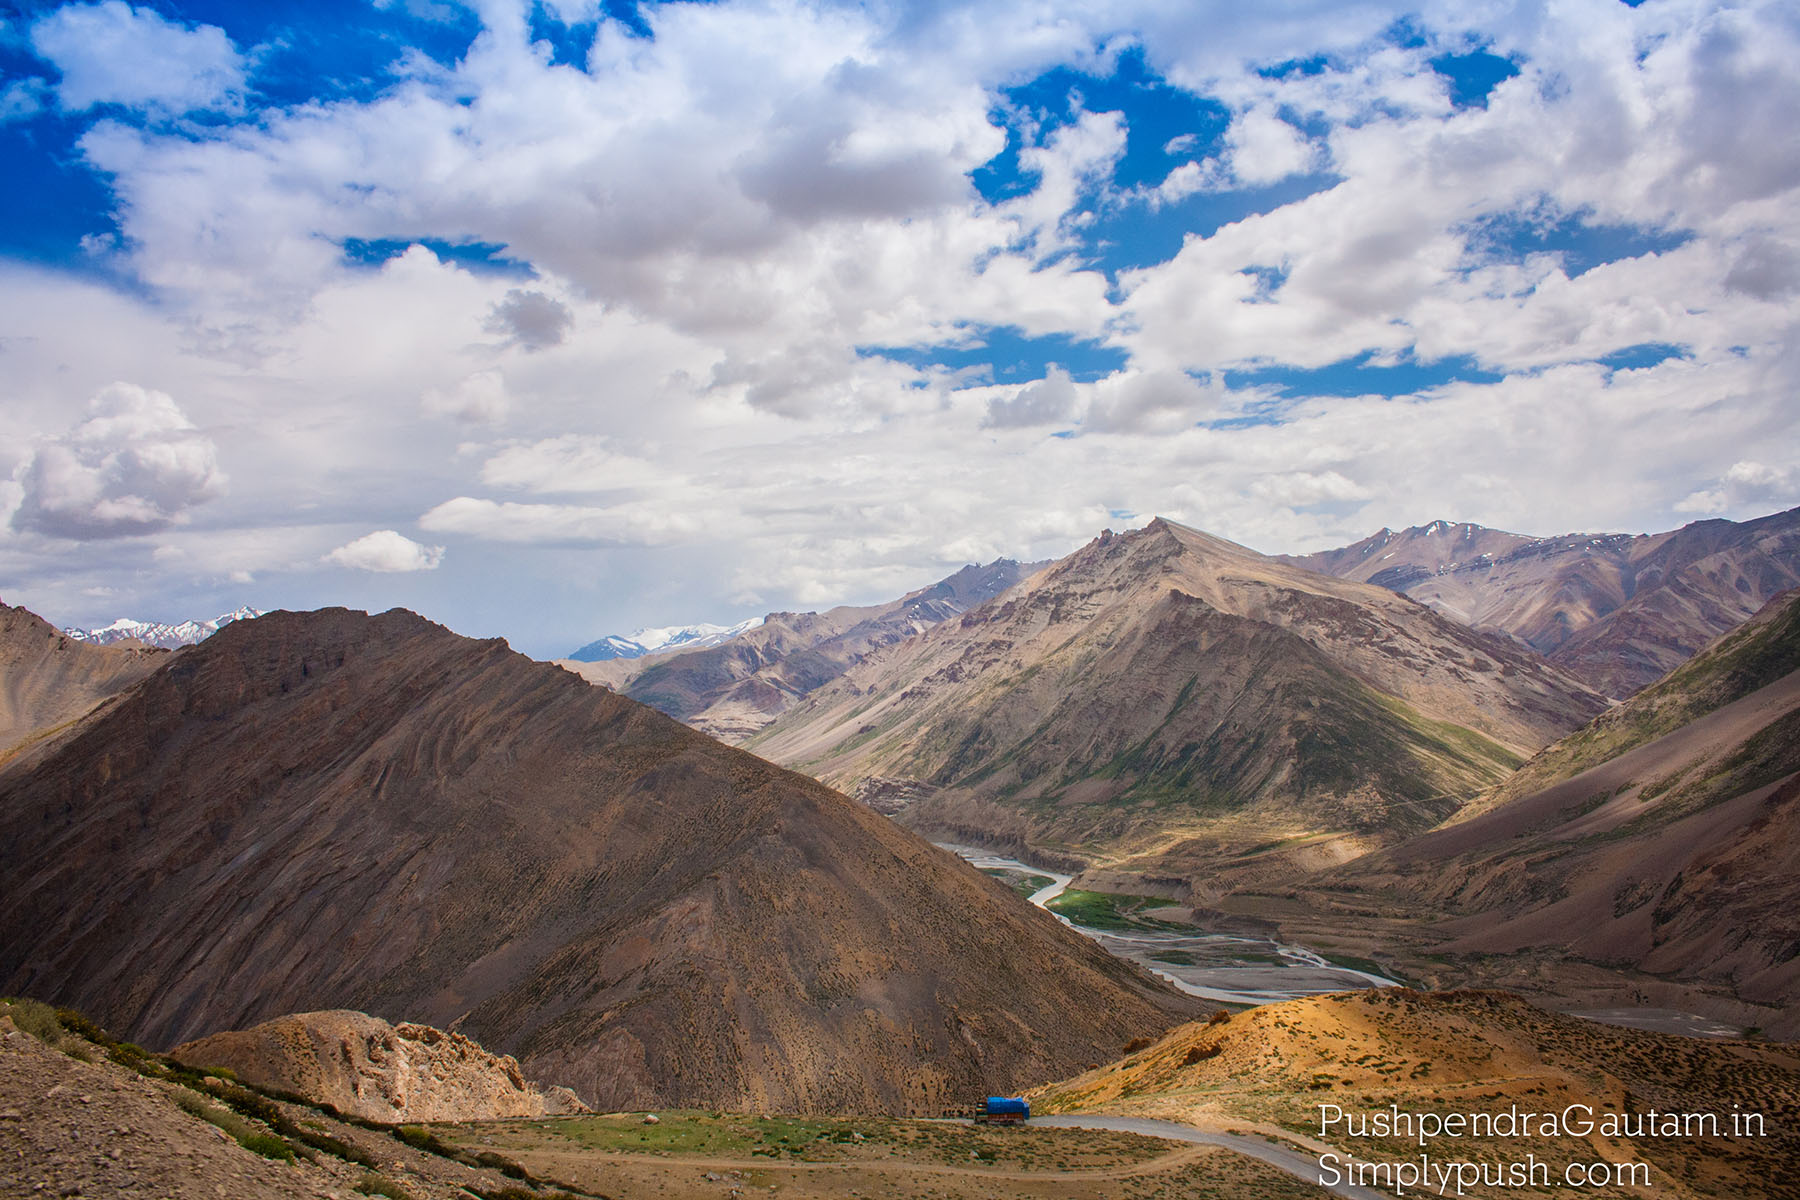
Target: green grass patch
[(1111, 910)]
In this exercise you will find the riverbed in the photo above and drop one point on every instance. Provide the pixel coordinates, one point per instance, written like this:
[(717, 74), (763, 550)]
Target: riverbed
[(1230, 968)]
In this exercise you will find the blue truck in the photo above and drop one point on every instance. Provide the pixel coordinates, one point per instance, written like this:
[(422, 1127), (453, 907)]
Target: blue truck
[(1002, 1110)]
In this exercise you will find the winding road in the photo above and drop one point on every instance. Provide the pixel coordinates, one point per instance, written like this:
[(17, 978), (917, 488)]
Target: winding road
[(1291, 1161)]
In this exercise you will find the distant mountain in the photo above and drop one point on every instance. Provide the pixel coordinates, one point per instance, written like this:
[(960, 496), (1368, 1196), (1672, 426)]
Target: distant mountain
[(1617, 611), (1664, 836), (333, 810), (154, 633), (735, 688), (48, 679), (651, 641), (1169, 703)]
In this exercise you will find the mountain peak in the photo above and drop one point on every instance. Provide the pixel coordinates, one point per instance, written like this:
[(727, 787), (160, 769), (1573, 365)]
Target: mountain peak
[(158, 634)]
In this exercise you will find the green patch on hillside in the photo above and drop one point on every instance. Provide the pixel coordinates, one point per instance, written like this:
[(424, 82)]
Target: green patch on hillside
[(1023, 882), (1111, 910)]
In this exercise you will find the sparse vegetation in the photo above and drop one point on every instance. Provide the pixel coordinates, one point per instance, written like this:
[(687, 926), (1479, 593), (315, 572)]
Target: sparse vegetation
[(373, 1184)]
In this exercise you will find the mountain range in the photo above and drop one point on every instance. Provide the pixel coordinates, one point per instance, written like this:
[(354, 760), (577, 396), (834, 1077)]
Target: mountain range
[(1176, 704), (1617, 611), (669, 637), (333, 810), (1661, 838), (155, 633), (734, 688)]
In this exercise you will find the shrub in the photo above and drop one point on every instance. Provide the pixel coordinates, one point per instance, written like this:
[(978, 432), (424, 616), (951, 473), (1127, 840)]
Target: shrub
[(1199, 1054), (39, 1020), (1136, 1044), (372, 1184), (268, 1145)]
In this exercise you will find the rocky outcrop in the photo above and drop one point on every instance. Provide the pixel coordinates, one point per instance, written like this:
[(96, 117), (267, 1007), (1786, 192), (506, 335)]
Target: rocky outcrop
[(364, 1066)]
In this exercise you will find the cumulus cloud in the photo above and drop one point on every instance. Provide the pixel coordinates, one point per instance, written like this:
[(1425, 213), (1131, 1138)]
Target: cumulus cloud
[(386, 551), (135, 466), (112, 53), (531, 319), (1050, 399), (1266, 149)]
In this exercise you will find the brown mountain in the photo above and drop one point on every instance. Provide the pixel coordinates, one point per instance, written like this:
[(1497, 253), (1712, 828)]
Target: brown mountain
[(48, 679), (331, 810), (1615, 610), (734, 689), (1170, 701), (1664, 837)]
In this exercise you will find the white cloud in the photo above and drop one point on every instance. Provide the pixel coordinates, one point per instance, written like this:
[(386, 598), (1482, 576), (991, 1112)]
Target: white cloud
[(1265, 149), (531, 319), (1746, 487), (479, 399), (631, 524), (1051, 398), (387, 551), (112, 53), (135, 466)]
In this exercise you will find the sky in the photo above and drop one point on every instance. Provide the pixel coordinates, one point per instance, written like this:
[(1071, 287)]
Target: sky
[(550, 319)]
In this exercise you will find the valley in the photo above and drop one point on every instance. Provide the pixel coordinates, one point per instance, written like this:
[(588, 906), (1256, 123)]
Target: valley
[(1219, 839)]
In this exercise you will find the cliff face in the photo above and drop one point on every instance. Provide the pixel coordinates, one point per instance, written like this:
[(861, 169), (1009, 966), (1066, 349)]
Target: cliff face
[(331, 810), (364, 1066)]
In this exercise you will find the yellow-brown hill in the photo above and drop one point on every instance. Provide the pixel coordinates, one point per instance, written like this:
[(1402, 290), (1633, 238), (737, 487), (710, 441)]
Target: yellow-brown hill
[(1272, 1068)]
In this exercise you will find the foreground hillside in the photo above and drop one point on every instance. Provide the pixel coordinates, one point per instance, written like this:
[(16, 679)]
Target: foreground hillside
[(1171, 702), (1615, 610), (331, 810), (734, 688), (81, 1117), (1467, 1052), (1664, 837), (48, 679)]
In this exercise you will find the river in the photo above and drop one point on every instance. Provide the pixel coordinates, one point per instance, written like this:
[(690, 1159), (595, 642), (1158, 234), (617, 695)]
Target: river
[(1230, 968)]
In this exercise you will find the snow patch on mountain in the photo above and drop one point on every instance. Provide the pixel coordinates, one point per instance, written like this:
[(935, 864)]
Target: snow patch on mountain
[(668, 637)]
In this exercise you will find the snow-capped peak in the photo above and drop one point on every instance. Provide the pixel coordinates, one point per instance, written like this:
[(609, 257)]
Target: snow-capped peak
[(666, 637), (155, 633)]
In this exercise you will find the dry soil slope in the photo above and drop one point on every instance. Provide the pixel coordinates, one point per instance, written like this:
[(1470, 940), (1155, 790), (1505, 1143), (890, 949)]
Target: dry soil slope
[(1158, 691), (1664, 836), (1464, 1051), (48, 680), (1615, 610), (331, 810), (734, 689)]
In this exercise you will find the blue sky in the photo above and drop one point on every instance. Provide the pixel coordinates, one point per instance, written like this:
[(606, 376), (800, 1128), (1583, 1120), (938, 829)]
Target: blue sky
[(554, 319)]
